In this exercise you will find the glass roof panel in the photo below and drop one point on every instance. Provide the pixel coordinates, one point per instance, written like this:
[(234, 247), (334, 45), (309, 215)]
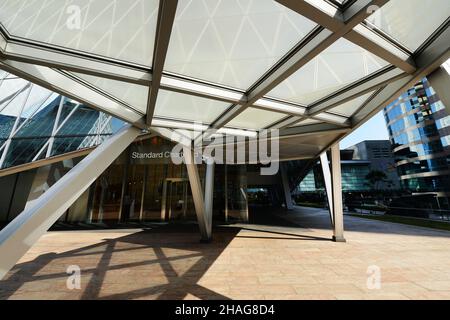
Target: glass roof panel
[(232, 42), (253, 118), (306, 122), (338, 66), (188, 133), (118, 29), (13, 94), (325, 116), (133, 94), (348, 108), (411, 22), (184, 107)]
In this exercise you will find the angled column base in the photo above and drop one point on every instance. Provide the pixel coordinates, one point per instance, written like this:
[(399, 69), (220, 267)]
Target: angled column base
[(202, 240), (338, 239)]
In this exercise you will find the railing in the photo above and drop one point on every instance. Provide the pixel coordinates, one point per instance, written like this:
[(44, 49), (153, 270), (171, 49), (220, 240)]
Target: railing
[(406, 211)]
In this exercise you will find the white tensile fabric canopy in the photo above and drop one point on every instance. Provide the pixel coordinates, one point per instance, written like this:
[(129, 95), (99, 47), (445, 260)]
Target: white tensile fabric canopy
[(314, 69)]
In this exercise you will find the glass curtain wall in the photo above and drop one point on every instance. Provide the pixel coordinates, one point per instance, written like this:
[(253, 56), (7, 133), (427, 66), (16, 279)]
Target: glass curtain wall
[(141, 186), (419, 127), (36, 123)]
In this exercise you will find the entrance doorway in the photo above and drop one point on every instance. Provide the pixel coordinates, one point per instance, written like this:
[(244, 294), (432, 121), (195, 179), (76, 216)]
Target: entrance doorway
[(175, 200)]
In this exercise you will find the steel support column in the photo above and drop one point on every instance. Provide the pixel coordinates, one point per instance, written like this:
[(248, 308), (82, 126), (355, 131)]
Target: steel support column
[(327, 180), (226, 190), (209, 195), (21, 233), (286, 188), (338, 209), (440, 81), (333, 187), (197, 194)]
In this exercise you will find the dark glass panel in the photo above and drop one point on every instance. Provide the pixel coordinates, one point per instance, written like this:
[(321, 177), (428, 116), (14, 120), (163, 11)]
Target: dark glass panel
[(80, 123), (22, 151), (66, 144), (6, 125), (41, 125)]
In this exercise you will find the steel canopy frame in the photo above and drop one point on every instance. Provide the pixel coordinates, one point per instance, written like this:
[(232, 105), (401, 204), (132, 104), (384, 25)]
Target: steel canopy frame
[(166, 17), (59, 82), (334, 22)]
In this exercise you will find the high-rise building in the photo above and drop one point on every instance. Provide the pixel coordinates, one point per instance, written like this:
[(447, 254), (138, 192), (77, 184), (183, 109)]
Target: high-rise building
[(419, 129)]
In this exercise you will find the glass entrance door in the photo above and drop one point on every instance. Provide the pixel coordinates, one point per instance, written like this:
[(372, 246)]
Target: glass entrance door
[(175, 199)]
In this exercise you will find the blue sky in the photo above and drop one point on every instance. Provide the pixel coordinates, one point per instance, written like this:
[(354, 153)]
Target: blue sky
[(374, 129)]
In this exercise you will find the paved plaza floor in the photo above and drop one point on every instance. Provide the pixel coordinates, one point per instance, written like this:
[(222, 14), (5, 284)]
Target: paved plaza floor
[(292, 258)]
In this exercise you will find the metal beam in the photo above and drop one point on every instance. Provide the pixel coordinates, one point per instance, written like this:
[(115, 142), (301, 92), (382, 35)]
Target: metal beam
[(335, 20), (354, 90), (332, 118), (28, 51), (330, 17), (286, 123), (21, 233), (440, 81), (59, 82), (202, 89), (379, 46), (166, 17), (45, 162), (320, 12), (73, 62), (312, 129)]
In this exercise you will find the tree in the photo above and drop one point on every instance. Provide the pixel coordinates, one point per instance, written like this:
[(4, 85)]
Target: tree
[(375, 178)]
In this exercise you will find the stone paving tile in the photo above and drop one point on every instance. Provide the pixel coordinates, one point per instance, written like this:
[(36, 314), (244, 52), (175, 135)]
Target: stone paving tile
[(435, 285), (256, 262)]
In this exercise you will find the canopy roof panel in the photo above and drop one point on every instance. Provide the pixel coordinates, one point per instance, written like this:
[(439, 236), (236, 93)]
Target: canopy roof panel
[(117, 29), (256, 119), (411, 22), (237, 66), (232, 42), (340, 64), (183, 107)]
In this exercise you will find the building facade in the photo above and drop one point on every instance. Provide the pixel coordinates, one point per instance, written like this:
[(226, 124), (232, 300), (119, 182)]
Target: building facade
[(419, 128), (354, 172), (379, 154), (36, 123), (138, 187)]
